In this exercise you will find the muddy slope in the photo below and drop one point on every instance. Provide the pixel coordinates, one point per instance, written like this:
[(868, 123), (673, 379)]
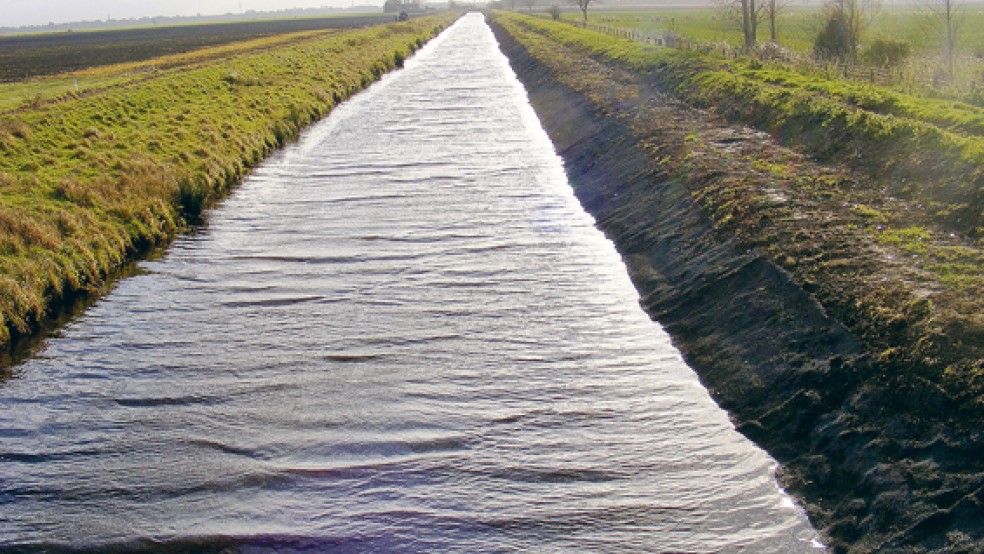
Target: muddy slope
[(794, 379)]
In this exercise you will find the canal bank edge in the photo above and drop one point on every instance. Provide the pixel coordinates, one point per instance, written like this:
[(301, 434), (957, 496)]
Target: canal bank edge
[(881, 461), (90, 182)]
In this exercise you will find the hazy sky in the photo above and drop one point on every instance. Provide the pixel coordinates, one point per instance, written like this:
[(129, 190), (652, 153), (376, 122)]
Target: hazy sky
[(15, 13)]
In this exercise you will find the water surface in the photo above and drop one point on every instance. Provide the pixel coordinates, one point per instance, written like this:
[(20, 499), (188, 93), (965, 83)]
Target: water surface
[(401, 333)]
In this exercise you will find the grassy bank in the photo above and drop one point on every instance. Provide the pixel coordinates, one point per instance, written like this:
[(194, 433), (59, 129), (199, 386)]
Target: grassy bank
[(88, 180), (865, 201)]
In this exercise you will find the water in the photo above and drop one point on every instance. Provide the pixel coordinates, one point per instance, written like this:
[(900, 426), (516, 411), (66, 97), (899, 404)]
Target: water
[(402, 333)]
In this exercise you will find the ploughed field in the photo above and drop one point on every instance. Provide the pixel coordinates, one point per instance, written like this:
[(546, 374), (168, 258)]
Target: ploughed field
[(24, 56)]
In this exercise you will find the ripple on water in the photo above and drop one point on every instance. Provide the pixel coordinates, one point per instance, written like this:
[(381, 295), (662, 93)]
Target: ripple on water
[(401, 333)]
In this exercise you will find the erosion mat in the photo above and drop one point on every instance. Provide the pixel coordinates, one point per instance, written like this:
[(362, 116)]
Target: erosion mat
[(815, 254)]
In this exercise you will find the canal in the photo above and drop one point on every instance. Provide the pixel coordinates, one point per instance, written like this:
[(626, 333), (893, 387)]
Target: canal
[(402, 333)]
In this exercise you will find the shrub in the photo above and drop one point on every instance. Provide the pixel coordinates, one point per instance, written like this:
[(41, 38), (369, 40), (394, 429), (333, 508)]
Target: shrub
[(554, 12), (887, 52), (834, 41)]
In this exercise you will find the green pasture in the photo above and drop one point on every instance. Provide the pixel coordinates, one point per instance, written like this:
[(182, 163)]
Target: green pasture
[(796, 28), (922, 73)]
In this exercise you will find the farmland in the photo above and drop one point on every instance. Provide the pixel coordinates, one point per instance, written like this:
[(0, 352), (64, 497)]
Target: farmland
[(798, 27), (24, 56)]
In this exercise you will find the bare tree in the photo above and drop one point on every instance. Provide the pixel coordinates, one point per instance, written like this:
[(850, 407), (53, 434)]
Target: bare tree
[(583, 6), (772, 12), (856, 15), (748, 14), (948, 15), (945, 18), (749, 22)]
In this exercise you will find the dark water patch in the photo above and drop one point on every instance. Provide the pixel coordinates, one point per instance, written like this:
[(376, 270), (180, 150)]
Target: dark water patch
[(273, 302), (35, 458), (284, 259), (431, 238), (352, 358), (555, 475), (251, 289), (223, 447), (156, 402)]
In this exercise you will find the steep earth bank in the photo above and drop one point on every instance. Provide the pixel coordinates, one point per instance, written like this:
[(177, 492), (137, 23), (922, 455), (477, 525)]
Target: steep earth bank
[(882, 458)]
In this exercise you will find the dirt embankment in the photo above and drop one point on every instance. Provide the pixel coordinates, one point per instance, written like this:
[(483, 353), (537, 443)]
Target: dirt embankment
[(882, 460)]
